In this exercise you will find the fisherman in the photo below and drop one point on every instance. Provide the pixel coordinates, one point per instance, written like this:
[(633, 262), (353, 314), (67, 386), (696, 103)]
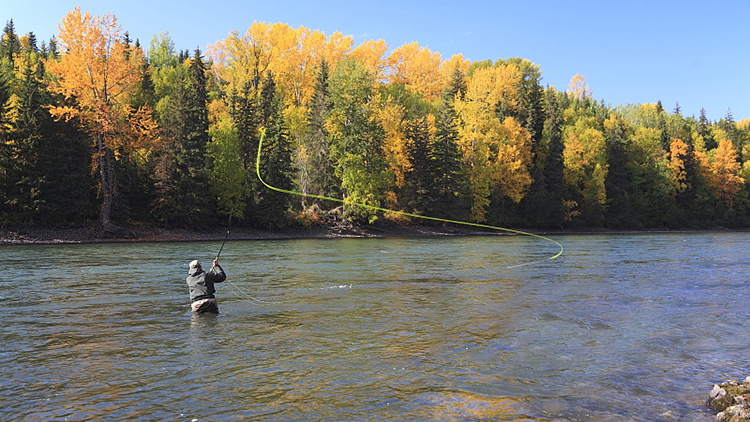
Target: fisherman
[(201, 285)]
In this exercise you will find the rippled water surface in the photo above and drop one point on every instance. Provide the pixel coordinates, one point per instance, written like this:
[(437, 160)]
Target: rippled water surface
[(620, 328)]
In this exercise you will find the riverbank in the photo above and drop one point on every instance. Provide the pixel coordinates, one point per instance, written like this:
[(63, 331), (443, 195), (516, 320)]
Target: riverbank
[(30, 234), (19, 235)]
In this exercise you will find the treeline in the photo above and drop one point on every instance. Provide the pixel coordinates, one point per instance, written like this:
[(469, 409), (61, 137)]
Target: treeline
[(95, 127)]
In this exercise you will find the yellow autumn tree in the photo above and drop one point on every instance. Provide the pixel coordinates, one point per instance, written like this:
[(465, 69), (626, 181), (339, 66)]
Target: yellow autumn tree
[(298, 57), (98, 74), (511, 166), (578, 88), (293, 55), (392, 115), (372, 55), (585, 161), (497, 153), (418, 68), (678, 152), (241, 60)]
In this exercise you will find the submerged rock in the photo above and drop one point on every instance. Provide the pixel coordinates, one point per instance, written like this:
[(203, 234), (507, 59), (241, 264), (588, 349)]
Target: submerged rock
[(730, 399)]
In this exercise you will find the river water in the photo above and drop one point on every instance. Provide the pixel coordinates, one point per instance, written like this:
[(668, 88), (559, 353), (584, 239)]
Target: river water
[(619, 328)]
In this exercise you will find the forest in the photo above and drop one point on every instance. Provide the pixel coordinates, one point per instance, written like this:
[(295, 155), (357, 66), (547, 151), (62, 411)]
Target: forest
[(98, 128)]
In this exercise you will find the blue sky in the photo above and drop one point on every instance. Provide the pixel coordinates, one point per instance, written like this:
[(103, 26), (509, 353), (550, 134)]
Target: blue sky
[(689, 52)]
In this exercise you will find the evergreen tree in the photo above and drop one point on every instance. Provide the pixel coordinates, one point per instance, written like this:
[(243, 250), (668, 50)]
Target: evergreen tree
[(554, 164), (31, 46), (418, 179), (543, 206), (321, 179), (46, 189), (183, 194), (276, 160), (244, 109), (5, 146), (10, 44), (728, 125), (449, 189), (696, 200), (619, 211), (705, 132), (529, 111), (531, 116), (666, 140), (146, 95), (166, 205), (126, 39), (52, 50), (266, 105), (534, 119), (26, 172), (68, 196), (457, 84), (135, 189)]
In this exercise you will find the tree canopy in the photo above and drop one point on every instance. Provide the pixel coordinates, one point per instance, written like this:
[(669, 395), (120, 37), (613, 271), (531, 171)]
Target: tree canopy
[(94, 129)]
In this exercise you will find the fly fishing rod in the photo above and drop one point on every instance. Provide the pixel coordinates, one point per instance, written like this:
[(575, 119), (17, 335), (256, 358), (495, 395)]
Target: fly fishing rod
[(229, 227), (236, 289)]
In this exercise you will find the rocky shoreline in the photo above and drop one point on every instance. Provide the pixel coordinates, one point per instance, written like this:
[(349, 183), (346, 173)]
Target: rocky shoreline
[(730, 399)]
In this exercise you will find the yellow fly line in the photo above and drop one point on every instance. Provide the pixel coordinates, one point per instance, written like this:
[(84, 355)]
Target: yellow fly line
[(406, 214)]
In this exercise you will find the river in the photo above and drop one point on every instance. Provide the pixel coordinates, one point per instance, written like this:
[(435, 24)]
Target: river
[(629, 327)]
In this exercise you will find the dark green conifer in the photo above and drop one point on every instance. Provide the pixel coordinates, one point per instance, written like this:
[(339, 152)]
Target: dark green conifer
[(321, 179), (705, 132), (245, 115), (619, 211), (449, 189), (554, 164), (276, 160), (10, 45), (51, 183), (184, 198), (419, 179), (52, 50), (32, 43)]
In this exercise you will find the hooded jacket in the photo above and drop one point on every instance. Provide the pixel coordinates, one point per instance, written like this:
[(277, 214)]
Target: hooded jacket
[(201, 283)]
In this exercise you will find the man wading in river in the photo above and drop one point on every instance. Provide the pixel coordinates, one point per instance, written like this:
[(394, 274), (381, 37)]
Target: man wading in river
[(201, 285)]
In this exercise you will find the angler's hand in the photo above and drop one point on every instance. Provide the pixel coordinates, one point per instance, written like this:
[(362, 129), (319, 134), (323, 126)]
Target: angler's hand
[(216, 262)]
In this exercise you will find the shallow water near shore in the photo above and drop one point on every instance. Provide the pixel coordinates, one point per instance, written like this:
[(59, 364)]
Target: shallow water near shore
[(620, 328)]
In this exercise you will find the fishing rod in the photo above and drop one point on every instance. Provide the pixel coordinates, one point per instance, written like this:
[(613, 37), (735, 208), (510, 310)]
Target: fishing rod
[(229, 227), (236, 288)]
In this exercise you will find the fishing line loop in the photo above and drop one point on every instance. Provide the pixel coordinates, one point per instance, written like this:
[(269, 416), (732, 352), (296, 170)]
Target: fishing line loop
[(406, 214)]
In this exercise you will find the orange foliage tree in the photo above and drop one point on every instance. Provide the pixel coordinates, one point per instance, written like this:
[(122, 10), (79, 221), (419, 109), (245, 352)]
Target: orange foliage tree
[(725, 169), (98, 73)]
